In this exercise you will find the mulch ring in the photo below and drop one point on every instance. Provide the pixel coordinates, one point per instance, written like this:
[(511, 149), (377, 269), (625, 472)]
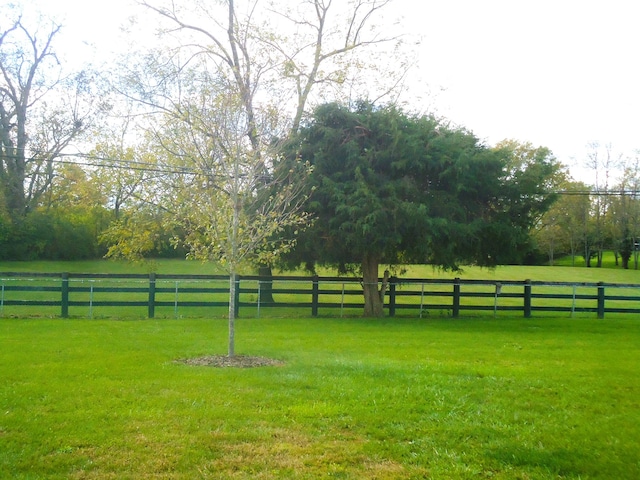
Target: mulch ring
[(225, 361)]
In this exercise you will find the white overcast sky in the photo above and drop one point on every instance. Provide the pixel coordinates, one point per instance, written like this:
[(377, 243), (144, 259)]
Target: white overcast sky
[(556, 73)]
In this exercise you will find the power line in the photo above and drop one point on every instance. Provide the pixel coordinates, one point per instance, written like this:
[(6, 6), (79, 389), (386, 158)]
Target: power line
[(598, 193), (120, 164), (136, 165)]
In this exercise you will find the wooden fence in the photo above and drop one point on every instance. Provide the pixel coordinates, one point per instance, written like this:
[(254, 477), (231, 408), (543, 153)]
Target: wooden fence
[(59, 294)]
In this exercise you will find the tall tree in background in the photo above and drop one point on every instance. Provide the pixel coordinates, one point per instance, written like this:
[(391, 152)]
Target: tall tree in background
[(532, 173), (603, 162), (625, 213), (279, 57), (392, 188), (40, 113), (563, 229), (121, 166), (549, 234)]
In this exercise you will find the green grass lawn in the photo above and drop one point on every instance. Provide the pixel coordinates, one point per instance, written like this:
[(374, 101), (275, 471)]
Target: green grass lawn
[(355, 399)]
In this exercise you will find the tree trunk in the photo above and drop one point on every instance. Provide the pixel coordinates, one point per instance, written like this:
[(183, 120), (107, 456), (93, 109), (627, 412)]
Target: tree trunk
[(587, 255), (373, 300), (266, 285)]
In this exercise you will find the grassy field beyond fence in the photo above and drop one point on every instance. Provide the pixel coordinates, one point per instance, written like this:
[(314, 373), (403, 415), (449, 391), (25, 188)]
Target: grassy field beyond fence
[(127, 296), (358, 399)]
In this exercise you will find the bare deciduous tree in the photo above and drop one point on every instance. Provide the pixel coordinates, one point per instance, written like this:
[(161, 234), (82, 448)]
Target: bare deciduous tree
[(40, 113)]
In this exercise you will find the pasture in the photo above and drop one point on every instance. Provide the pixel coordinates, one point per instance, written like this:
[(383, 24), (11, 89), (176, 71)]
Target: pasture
[(102, 289), (506, 398), (565, 272)]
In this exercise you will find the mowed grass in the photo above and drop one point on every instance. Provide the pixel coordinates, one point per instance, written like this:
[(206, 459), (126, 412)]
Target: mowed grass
[(355, 399), (561, 273)]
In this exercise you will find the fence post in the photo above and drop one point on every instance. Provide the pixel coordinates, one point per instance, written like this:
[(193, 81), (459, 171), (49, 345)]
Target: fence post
[(456, 297), (259, 295), (236, 279), (392, 296), (600, 300), (175, 302), (315, 296), (64, 302), (152, 295), (527, 298)]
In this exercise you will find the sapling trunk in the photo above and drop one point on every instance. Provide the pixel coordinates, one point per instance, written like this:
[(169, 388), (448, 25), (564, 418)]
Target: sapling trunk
[(232, 314)]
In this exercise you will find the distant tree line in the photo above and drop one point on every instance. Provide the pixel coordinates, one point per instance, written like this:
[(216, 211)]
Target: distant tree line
[(372, 168), (589, 219)]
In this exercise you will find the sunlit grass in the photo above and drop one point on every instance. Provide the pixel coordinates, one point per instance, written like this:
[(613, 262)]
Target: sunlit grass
[(173, 266), (387, 399), (563, 272), (608, 261)]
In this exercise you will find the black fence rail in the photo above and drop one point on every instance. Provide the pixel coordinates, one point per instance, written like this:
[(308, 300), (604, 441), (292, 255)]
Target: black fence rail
[(58, 294)]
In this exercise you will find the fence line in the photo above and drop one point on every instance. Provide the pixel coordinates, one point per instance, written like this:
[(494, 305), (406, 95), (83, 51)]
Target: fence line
[(185, 292)]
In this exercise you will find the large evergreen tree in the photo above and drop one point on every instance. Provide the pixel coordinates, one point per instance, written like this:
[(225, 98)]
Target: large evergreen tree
[(392, 188)]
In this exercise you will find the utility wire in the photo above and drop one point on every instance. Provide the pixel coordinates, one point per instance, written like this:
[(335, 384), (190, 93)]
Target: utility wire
[(121, 164)]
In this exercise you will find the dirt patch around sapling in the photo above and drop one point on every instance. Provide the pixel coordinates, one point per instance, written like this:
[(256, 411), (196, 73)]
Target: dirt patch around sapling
[(225, 361)]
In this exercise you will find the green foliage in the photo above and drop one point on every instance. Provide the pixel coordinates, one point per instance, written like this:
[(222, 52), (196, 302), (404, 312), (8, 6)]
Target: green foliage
[(46, 236), (5, 228), (445, 399), (392, 188), (414, 189), (64, 227)]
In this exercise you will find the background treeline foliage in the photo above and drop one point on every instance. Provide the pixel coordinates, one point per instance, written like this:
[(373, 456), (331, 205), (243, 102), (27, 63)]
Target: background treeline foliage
[(115, 194), (71, 220), (596, 216), (78, 218)]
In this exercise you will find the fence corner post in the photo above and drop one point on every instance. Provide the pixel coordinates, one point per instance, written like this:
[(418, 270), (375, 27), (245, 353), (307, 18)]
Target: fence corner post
[(600, 300), (64, 302), (456, 297), (152, 295), (527, 298), (315, 296)]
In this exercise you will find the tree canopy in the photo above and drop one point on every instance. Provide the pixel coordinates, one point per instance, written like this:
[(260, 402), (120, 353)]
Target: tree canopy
[(388, 187)]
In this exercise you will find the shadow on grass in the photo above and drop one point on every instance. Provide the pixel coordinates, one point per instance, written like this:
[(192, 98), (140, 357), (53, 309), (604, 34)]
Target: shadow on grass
[(567, 463)]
